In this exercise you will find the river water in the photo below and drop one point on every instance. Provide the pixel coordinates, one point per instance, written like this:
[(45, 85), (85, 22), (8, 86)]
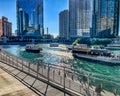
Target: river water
[(59, 56)]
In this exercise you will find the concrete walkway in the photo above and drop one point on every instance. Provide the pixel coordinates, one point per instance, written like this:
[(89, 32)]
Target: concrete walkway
[(9, 86)]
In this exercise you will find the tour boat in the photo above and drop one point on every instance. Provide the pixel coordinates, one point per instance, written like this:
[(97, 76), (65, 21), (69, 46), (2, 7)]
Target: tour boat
[(54, 45), (102, 56), (32, 48)]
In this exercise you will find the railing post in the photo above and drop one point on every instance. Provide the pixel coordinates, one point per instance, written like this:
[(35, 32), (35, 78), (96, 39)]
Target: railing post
[(93, 93), (29, 67), (17, 62), (3, 57), (12, 61), (60, 79), (53, 74), (64, 80), (88, 81), (37, 69), (22, 65), (0, 56), (9, 60), (42, 69), (6, 58), (69, 83), (48, 73), (80, 88)]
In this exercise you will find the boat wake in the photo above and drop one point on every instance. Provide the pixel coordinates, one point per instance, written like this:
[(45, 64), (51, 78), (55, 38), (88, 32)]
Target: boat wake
[(58, 53)]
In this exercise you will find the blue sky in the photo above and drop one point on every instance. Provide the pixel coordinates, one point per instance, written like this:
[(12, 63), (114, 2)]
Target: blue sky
[(8, 9), (52, 9)]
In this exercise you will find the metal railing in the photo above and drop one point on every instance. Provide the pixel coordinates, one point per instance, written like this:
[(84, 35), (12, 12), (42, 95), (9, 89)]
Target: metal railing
[(70, 81)]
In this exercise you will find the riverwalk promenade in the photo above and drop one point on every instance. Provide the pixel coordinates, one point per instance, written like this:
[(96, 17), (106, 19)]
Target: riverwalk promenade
[(47, 80), (9, 86)]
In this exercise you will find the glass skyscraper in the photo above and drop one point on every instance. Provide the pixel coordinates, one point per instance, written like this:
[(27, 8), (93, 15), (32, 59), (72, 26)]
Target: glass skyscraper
[(79, 17), (30, 17), (105, 22), (64, 24)]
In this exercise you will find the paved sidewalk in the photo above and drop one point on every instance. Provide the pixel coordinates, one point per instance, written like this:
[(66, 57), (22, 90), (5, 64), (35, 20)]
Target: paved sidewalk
[(12, 87), (9, 86)]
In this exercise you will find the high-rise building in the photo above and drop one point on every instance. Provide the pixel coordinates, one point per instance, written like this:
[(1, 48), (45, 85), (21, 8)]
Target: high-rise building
[(79, 17), (30, 17), (64, 24), (5, 27), (105, 22)]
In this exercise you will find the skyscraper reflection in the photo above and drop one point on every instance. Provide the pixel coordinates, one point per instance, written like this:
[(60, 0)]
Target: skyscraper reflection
[(30, 17)]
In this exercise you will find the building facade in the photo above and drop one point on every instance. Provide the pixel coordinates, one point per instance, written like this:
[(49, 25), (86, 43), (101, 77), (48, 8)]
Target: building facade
[(30, 17), (79, 17), (5, 27), (64, 25), (105, 22)]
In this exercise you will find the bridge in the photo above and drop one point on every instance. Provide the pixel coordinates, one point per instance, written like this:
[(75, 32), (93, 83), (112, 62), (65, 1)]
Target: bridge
[(56, 80)]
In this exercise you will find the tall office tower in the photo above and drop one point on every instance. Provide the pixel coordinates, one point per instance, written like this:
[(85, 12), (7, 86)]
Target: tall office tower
[(30, 17), (64, 24), (105, 18), (79, 17), (5, 27), (26, 21), (21, 21)]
